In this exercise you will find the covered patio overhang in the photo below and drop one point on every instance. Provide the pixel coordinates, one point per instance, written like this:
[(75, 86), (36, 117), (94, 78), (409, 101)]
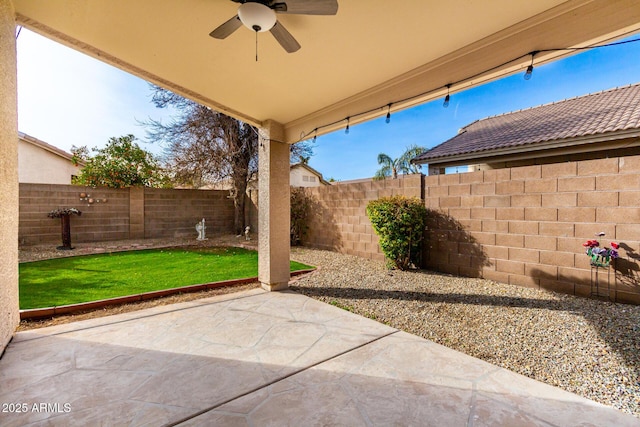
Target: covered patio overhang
[(370, 58)]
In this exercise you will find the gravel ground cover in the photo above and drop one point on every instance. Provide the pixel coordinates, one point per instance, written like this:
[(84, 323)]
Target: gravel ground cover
[(585, 346)]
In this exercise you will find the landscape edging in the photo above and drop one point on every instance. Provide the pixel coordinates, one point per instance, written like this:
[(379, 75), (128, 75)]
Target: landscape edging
[(38, 313)]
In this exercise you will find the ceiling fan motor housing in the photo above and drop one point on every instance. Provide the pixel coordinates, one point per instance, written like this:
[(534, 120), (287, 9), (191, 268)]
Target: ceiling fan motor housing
[(260, 16)]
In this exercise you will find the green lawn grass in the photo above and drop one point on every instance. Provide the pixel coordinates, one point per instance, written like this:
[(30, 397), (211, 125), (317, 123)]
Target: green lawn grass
[(86, 278)]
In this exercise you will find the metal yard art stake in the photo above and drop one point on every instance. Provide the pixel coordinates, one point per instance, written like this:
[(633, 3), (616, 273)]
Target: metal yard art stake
[(600, 257)]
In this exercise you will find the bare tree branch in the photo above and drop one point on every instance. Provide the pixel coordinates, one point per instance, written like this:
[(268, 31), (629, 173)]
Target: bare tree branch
[(204, 147)]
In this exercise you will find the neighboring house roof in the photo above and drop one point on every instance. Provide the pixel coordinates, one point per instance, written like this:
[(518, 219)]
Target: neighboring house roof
[(311, 170), (603, 116), (48, 147)]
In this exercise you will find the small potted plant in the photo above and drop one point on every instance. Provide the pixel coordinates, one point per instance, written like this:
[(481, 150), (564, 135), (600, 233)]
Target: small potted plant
[(65, 221)]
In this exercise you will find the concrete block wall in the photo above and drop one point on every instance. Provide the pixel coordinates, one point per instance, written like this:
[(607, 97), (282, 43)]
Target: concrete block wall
[(99, 221), (174, 213), (134, 213), (339, 219), (525, 226)]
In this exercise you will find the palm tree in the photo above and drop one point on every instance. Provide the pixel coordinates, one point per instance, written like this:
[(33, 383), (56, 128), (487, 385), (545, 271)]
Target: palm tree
[(391, 167)]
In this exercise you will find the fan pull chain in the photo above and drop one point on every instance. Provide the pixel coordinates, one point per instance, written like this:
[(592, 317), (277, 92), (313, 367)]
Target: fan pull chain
[(256, 46)]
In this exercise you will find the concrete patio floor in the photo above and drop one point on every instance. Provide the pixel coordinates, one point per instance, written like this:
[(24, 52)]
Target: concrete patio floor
[(266, 359)]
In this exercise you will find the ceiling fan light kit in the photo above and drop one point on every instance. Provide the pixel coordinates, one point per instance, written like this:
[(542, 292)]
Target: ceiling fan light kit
[(257, 17), (260, 16)]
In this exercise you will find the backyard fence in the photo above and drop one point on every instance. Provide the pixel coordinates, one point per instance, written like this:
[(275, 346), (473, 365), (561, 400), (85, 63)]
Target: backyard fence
[(523, 225), (127, 213)]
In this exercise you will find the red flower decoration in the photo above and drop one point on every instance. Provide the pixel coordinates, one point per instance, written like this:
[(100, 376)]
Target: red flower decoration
[(614, 245)]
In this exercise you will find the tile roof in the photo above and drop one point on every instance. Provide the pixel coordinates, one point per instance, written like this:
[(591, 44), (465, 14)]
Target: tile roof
[(594, 114)]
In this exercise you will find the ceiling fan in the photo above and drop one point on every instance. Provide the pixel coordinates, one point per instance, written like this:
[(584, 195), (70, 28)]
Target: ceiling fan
[(260, 16)]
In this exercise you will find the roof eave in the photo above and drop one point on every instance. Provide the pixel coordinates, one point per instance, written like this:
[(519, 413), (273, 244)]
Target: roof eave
[(310, 169), (48, 147), (533, 149)]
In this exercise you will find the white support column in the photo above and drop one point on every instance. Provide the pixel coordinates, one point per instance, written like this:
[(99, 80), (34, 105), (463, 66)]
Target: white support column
[(9, 305), (274, 213)]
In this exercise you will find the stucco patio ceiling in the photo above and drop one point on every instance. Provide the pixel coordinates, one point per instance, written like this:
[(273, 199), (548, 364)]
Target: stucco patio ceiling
[(371, 54)]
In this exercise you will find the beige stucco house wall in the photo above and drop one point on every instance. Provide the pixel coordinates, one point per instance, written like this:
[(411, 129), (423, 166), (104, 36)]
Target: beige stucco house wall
[(300, 175), (9, 314), (303, 175), (42, 163)]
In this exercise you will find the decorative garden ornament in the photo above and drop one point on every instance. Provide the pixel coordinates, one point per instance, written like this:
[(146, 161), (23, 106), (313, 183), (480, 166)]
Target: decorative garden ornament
[(201, 229), (65, 222)]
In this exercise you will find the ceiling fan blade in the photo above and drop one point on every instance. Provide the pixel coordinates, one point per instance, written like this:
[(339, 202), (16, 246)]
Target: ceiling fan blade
[(226, 29), (285, 38), (309, 7)]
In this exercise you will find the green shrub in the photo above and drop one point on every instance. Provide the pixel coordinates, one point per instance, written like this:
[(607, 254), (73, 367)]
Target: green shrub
[(399, 222), (300, 215)]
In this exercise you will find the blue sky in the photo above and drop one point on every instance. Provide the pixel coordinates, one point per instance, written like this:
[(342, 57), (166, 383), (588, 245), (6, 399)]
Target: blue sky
[(66, 98)]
